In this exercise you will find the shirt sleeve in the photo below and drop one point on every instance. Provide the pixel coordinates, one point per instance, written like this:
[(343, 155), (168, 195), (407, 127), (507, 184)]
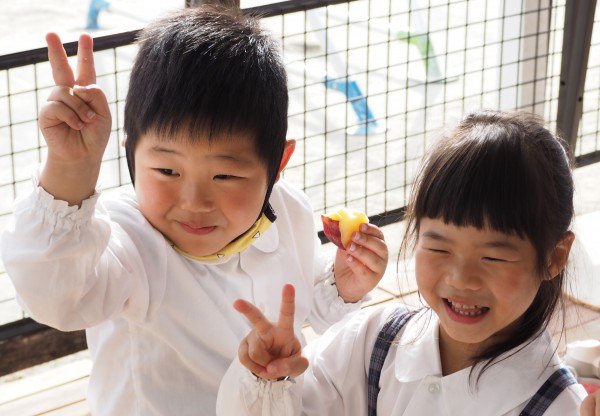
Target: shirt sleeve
[(336, 378), (242, 393), (327, 307), (72, 267)]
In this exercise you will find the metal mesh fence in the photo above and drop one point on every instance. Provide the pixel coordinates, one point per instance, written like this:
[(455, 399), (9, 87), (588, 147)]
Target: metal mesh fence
[(372, 84)]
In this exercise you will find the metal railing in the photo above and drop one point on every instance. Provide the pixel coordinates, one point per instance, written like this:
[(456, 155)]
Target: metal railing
[(372, 83)]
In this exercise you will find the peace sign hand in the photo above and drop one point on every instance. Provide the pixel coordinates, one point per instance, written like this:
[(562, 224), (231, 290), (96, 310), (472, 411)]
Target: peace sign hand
[(75, 122), (271, 350)]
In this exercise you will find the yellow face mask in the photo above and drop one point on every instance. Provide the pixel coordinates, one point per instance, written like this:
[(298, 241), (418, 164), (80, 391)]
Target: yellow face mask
[(238, 245)]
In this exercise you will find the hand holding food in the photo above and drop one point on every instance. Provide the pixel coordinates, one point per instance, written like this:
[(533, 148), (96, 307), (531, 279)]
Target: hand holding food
[(340, 225)]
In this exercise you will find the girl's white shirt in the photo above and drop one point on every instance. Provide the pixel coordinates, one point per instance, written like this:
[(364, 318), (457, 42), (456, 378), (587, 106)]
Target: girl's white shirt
[(411, 379), (161, 328)]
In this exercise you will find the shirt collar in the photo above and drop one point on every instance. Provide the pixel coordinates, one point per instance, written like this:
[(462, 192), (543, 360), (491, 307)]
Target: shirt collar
[(521, 374)]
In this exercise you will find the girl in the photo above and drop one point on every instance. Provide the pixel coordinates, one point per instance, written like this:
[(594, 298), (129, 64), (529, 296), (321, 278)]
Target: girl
[(488, 221)]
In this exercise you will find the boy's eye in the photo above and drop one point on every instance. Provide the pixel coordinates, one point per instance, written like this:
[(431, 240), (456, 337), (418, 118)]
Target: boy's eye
[(224, 177), (167, 172)]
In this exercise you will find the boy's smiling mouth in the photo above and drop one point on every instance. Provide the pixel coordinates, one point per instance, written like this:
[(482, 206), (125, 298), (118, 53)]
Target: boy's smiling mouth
[(197, 230), (466, 310)]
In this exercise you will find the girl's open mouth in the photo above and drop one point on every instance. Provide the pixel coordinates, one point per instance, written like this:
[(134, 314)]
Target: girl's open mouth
[(466, 310)]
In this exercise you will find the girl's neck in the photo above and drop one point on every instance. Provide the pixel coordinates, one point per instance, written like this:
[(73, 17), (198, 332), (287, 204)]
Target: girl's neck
[(454, 355)]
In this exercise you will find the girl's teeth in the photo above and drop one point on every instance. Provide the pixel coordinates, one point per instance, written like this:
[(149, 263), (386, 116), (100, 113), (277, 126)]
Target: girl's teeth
[(467, 310)]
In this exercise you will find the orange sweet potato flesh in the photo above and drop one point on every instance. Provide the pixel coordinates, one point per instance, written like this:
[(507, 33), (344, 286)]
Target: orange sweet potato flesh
[(340, 225)]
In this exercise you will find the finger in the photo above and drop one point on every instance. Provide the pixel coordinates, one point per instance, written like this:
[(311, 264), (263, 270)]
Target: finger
[(57, 56), (257, 350), (247, 361), (256, 318), (55, 113), (86, 71), (74, 101), (290, 366), (372, 242), (373, 258), (287, 308), (373, 230), (369, 245)]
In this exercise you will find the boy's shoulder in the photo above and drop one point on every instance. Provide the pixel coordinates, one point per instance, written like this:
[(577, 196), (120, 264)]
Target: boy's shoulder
[(123, 208), (286, 195)]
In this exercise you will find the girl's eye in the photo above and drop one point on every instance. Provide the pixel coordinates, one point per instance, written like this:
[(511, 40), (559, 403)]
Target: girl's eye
[(494, 259), (167, 172), (435, 250)]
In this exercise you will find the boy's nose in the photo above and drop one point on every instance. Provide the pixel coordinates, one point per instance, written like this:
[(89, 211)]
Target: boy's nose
[(196, 197)]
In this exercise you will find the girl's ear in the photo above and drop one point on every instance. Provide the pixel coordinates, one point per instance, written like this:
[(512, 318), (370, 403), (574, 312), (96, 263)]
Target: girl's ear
[(288, 151), (560, 255)]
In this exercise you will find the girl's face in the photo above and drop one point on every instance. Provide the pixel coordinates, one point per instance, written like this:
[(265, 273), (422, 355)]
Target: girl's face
[(479, 282)]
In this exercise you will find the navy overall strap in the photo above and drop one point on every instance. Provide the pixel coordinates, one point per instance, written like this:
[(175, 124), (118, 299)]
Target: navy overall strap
[(386, 336), (543, 398)]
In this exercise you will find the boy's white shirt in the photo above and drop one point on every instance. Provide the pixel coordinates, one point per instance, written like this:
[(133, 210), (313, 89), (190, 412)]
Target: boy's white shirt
[(161, 328), (336, 382)]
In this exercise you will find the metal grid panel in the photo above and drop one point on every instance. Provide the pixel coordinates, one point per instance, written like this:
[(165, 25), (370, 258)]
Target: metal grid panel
[(372, 83), (588, 138)]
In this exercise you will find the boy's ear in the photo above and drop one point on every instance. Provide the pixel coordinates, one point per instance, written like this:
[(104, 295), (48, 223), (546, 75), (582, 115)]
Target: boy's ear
[(560, 255), (288, 151)]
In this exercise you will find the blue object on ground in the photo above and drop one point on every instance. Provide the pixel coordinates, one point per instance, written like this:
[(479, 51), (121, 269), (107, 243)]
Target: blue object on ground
[(368, 123), (96, 6)]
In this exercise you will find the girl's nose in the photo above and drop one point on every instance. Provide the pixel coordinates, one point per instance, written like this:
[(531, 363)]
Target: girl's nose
[(464, 275)]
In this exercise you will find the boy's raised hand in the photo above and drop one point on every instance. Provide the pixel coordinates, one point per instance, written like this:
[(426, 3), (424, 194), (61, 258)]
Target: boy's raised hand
[(271, 350), (360, 267), (75, 123)]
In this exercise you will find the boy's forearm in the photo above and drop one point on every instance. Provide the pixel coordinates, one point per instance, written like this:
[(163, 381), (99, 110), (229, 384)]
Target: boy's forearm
[(72, 182)]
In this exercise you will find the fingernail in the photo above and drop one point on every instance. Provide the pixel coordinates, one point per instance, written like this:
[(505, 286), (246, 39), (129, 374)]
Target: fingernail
[(80, 125), (349, 259), (352, 247), (91, 114), (356, 236), (363, 227)]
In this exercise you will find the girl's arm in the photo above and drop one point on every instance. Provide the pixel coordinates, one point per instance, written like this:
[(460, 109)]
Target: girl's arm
[(272, 350), (591, 405), (270, 353), (334, 384)]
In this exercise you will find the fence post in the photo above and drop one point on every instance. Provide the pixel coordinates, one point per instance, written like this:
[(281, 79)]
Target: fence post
[(228, 3), (577, 37)]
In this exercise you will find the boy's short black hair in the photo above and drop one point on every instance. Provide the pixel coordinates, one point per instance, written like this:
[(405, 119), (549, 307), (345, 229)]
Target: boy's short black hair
[(208, 71)]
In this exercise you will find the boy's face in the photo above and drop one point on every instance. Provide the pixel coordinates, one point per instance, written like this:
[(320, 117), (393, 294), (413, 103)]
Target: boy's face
[(200, 196)]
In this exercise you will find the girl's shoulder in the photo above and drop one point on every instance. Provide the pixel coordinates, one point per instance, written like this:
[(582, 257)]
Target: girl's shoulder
[(364, 326)]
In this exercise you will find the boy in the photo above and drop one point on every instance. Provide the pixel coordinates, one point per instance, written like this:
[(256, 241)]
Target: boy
[(151, 274)]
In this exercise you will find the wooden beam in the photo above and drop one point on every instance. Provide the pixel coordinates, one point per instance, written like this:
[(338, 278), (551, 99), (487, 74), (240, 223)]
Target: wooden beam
[(35, 344)]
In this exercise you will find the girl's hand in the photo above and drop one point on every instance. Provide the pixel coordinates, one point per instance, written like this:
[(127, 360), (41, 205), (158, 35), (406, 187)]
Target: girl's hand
[(271, 350), (591, 405), (360, 267), (75, 123)]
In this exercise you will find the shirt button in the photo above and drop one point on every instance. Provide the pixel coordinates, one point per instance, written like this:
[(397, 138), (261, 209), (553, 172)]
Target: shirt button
[(434, 388)]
